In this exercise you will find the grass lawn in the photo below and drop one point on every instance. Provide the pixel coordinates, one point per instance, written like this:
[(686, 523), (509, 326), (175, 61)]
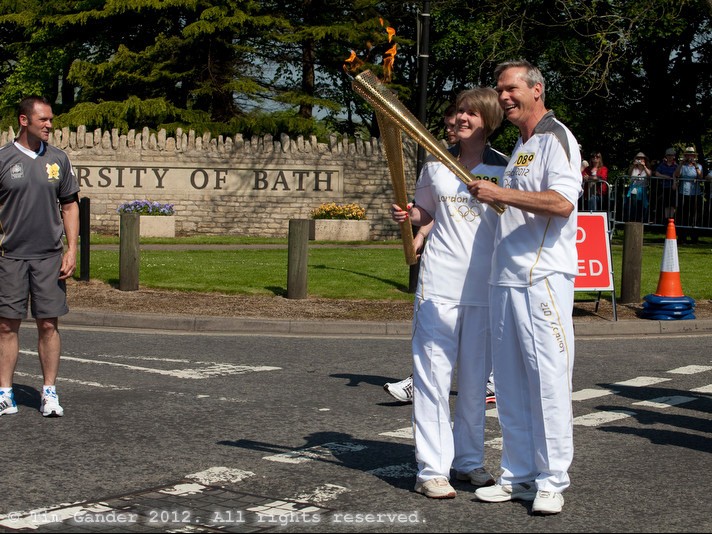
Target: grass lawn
[(344, 271)]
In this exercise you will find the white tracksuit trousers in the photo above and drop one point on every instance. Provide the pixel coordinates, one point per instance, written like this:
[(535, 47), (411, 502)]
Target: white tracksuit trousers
[(533, 359), (445, 335)]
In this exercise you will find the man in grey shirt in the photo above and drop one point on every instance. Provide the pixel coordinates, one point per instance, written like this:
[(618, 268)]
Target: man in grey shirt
[(39, 199)]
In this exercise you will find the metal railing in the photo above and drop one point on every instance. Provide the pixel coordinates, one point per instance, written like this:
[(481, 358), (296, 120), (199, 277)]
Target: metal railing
[(652, 201)]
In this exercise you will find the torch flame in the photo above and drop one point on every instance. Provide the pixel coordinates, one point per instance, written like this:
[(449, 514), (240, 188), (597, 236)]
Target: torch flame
[(353, 64), (388, 59), (389, 55)]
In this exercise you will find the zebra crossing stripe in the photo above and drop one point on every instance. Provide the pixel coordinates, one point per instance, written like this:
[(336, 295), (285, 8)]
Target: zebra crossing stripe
[(593, 393), (599, 418), (665, 402), (690, 369), (641, 381), (703, 389)]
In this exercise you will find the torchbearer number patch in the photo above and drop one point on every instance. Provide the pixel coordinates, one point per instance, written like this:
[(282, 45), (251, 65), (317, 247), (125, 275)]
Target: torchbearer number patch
[(524, 159)]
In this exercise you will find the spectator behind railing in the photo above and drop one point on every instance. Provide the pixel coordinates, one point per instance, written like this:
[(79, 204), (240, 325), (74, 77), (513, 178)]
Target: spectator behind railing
[(707, 204), (595, 186), (635, 204), (618, 212), (665, 197), (688, 182)]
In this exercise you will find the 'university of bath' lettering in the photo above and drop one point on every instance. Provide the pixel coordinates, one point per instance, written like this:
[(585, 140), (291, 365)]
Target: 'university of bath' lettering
[(263, 180)]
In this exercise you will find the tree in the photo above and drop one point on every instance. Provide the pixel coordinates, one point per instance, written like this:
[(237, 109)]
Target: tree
[(625, 75), (182, 58)]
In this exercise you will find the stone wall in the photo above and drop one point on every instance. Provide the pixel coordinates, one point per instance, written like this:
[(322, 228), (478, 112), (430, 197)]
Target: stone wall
[(231, 186)]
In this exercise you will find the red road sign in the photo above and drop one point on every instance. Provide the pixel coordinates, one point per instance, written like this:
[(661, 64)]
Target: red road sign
[(595, 269)]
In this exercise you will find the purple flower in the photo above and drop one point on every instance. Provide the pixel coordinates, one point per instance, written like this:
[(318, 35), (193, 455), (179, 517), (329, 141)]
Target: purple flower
[(146, 207)]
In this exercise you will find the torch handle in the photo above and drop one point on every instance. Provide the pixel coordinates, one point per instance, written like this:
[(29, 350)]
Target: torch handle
[(385, 102), (393, 147)]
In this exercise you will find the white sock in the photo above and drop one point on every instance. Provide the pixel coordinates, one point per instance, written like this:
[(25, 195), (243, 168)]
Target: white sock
[(49, 389)]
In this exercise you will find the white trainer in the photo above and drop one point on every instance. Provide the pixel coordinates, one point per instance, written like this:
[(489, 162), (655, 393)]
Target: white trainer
[(436, 488), (50, 404), (525, 491), (477, 477), (7, 404), (548, 502), (401, 391)]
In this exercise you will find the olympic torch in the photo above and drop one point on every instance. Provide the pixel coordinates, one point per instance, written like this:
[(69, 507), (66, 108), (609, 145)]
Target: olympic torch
[(392, 111), (393, 147)]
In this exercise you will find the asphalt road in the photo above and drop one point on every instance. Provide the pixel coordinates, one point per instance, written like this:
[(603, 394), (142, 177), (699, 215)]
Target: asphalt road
[(168, 431)]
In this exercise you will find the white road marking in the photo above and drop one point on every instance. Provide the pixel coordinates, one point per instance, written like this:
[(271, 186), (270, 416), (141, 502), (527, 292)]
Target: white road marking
[(215, 369), (184, 489), (703, 389), (401, 433), (641, 381), (220, 475), (691, 369), (586, 394), (74, 381), (665, 402), (322, 494), (144, 358), (314, 453), (211, 369), (599, 418)]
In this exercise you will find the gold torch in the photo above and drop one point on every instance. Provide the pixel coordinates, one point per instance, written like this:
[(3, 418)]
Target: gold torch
[(393, 147), (392, 111)]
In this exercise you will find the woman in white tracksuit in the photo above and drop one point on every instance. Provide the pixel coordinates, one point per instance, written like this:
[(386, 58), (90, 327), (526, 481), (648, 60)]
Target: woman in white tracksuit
[(451, 310)]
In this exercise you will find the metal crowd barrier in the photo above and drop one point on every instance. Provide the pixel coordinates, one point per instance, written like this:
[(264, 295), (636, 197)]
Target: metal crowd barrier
[(652, 203)]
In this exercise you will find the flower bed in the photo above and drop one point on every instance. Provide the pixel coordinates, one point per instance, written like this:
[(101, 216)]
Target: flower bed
[(146, 207), (331, 210), (339, 222), (157, 219)]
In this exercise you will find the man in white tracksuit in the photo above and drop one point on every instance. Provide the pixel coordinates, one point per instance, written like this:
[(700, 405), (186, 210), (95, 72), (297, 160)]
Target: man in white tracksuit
[(531, 295)]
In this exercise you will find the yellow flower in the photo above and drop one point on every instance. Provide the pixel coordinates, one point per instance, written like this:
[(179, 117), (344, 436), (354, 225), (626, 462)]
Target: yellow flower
[(52, 171), (331, 210)]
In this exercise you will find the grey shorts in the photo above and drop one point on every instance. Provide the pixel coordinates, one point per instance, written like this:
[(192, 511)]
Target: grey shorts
[(36, 279)]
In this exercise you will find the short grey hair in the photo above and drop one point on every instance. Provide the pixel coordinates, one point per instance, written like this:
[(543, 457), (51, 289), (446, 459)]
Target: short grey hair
[(532, 76)]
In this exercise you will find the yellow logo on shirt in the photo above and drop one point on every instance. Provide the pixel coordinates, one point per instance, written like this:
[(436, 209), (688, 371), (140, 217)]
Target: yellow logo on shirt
[(52, 172), (524, 159)]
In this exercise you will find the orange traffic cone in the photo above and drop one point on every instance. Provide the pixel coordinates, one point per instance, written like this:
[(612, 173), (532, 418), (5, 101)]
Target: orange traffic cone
[(669, 284), (669, 302)]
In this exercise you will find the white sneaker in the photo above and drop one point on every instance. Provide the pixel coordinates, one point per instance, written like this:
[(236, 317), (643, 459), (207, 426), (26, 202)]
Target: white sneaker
[(401, 391), (525, 491), (7, 404), (50, 404), (436, 488), (548, 502), (490, 397), (477, 477)]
